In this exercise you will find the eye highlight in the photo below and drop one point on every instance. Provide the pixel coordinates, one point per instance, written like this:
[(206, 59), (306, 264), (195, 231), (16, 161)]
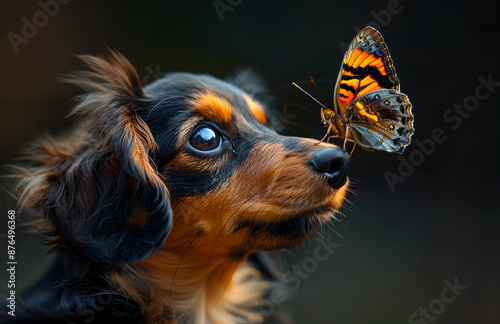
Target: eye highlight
[(205, 139)]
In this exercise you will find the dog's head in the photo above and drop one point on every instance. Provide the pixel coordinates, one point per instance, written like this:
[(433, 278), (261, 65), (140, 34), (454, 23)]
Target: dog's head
[(188, 156)]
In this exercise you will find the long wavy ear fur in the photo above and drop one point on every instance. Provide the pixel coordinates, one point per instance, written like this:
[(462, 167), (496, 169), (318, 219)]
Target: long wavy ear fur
[(97, 186)]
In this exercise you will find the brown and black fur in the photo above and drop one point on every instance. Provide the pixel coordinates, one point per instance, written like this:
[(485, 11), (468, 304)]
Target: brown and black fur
[(149, 229)]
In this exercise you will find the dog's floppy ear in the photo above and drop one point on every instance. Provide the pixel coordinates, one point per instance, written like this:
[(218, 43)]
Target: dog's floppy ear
[(97, 186)]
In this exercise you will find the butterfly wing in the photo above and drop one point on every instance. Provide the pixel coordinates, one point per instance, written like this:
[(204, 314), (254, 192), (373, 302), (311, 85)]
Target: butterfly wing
[(381, 120), (367, 66)]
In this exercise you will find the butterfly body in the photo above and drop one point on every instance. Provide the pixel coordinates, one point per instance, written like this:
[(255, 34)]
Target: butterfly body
[(369, 109)]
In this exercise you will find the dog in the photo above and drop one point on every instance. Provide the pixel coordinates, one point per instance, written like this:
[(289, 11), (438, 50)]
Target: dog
[(159, 199)]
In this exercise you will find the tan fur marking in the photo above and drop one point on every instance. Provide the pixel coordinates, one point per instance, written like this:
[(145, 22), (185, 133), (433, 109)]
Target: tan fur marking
[(213, 107), (256, 109)]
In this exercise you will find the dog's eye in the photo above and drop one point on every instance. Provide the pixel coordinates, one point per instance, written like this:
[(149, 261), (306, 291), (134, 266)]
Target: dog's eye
[(205, 139)]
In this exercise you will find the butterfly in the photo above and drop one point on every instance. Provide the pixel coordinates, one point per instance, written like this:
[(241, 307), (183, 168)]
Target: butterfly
[(368, 109)]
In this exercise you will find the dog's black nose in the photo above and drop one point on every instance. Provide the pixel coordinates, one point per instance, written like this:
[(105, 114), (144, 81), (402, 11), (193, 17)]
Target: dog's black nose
[(333, 163)]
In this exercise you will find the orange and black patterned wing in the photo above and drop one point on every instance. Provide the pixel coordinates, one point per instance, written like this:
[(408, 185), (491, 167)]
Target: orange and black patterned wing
[(367, 66)]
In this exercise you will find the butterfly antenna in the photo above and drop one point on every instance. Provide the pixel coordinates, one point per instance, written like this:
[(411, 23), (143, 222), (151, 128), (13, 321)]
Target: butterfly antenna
[(317, 89), (307, 93)]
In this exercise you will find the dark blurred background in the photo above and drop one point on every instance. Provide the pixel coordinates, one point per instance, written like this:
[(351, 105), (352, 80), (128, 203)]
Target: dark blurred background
[(397, 245)]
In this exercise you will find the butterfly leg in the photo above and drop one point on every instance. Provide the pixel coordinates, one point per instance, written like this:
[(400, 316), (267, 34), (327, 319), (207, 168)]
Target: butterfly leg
[(353, 148), (346, 136), (330, 137), (326, 135)]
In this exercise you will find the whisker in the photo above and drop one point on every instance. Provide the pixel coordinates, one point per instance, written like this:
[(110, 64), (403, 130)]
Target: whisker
[(175, 250), (179, 264), (227, 283)]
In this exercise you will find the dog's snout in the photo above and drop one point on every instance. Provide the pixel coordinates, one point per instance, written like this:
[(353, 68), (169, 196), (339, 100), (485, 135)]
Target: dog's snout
[(333, 163)]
